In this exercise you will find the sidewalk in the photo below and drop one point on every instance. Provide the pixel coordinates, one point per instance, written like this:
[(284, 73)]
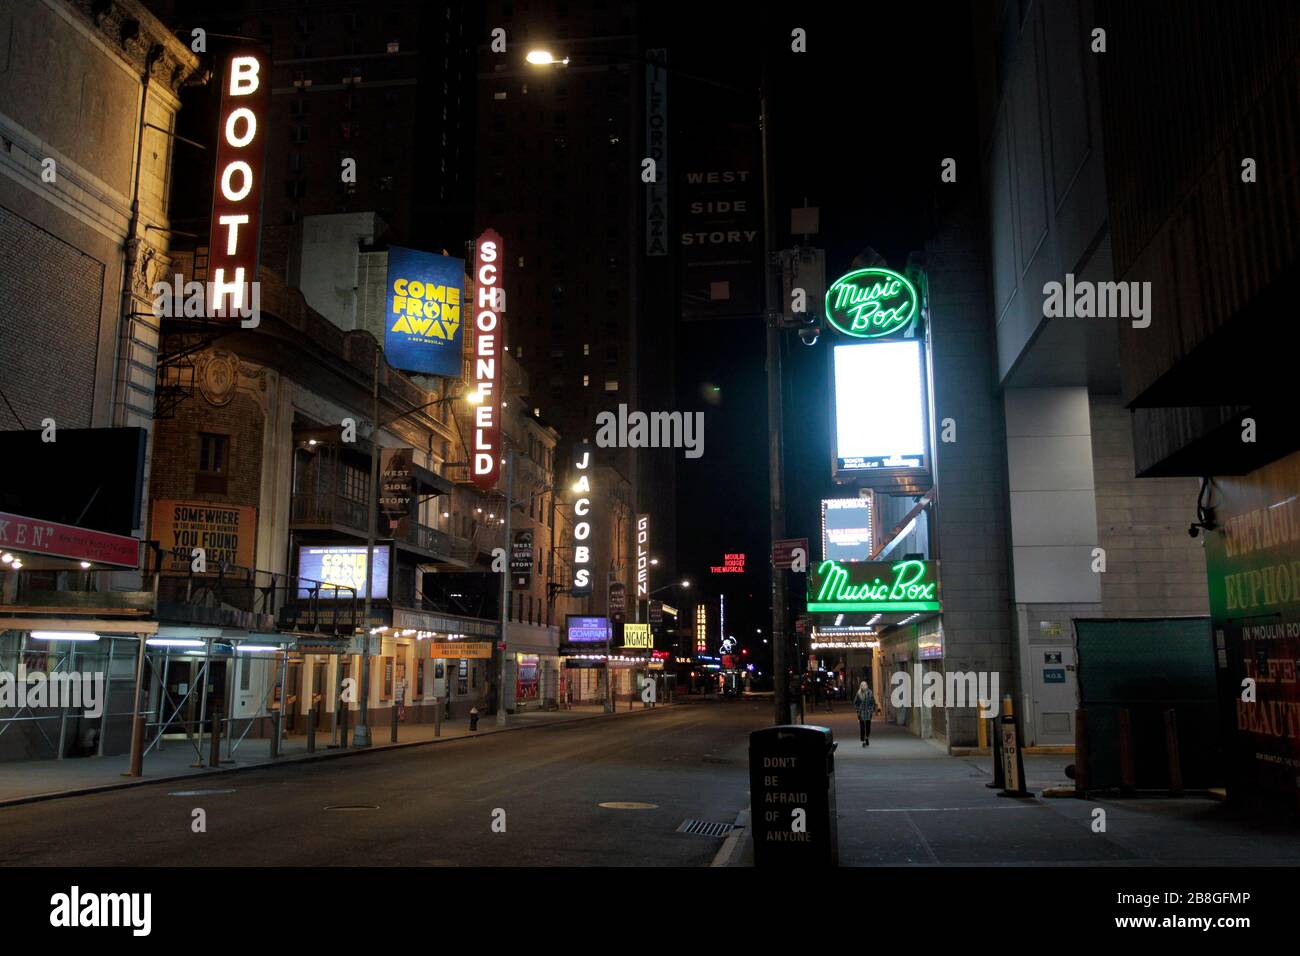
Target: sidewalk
[(31, 780), (904, 801)]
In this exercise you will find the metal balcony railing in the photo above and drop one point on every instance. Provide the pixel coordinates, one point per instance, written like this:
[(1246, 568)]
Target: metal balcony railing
[(328, 509)]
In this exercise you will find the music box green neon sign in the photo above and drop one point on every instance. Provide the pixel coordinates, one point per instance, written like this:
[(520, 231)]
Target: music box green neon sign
[(871, 303), (909, 585)]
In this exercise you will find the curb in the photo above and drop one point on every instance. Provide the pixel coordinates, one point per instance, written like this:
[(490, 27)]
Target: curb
[(300, 758), (734, 845)]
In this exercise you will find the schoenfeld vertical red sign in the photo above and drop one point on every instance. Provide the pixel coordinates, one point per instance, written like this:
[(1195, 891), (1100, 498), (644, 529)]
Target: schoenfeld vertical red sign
[(237, 193), (485, 459)]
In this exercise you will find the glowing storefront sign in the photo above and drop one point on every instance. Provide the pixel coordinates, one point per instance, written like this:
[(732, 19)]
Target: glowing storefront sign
[(580, 629), (581, 586), (488, 306), (237, 194), (871, 303), (909, 585), (879, 407)]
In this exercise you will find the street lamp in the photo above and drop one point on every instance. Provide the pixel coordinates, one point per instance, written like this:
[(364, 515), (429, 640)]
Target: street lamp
[(775, 469)]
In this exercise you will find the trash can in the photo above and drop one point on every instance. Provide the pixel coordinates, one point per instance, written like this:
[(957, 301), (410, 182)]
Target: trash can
[(792, 796)]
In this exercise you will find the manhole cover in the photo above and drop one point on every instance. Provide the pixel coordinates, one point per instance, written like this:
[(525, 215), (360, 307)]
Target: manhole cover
[(704, 828), (353, 806), (196, 793), (622, 805)]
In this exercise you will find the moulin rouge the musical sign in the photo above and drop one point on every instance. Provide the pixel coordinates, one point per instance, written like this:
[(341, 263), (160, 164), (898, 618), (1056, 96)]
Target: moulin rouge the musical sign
[(871, 303), (884, 586)]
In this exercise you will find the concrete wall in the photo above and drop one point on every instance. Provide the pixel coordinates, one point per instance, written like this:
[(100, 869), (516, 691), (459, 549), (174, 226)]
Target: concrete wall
[(325, 267), (1153, 567), (970, 473)]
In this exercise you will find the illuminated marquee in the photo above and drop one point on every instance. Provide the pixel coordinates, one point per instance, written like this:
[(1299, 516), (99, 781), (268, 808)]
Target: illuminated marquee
[(581, 586), (637, 636), (642, 557), (701, 629), (237, 195), (486, 460), (872, 303), (909, 585)]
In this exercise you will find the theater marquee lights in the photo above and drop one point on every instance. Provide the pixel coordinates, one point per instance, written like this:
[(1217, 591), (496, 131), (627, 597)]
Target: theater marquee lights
[(488, 322), (237, 194), (883, 586), (581, 586)]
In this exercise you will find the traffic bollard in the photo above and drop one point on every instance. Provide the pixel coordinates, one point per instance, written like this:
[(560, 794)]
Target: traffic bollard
[(473, 718), (343, 725), (311, 732), (392, 731), (1175, 764), (437, 717)]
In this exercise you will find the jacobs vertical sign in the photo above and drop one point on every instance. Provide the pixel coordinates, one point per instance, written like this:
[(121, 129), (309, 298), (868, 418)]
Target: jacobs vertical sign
[(489, 304), (237, 194), (582, 563)]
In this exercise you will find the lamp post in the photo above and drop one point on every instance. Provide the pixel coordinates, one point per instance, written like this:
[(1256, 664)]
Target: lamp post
[(775, 464)]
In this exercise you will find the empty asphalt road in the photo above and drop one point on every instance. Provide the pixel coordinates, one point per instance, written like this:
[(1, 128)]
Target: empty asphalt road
[(435, 805)]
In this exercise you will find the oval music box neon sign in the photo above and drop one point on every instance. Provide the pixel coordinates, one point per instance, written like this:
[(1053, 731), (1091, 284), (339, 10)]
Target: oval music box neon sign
[(871, 303)]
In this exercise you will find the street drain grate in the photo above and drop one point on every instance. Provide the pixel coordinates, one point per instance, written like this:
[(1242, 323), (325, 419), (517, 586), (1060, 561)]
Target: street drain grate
[(704, 828), (196, 793), (353, 806)]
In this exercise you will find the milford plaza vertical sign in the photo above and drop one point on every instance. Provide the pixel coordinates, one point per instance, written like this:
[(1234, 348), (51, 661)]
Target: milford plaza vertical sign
[(489, 304), (236, 226)]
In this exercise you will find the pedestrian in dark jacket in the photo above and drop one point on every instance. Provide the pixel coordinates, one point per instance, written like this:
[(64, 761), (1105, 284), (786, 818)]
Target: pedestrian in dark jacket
[(865, 702)]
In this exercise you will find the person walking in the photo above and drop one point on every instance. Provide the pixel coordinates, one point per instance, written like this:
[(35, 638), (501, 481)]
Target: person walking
[(865, 702)]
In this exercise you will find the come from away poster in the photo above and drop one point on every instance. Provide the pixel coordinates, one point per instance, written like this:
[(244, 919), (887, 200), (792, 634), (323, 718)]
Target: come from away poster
[(422, 319)]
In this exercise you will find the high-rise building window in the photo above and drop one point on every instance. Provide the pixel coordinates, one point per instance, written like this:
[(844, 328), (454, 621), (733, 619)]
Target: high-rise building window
[(611, 385), (586, 381)]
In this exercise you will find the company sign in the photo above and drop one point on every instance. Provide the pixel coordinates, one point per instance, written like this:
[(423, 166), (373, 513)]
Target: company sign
[(344, 567), (35, 536), (581, 586), (642, 557), (580, 629), (883, 586), (872, 303), (422, 328), (489, 304), (237, 194)]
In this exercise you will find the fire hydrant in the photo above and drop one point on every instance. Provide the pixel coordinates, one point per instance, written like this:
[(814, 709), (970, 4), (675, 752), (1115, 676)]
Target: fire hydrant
[(473, 718)]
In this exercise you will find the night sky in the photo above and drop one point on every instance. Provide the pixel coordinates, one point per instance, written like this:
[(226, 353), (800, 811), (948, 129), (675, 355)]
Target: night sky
[(868, 154)]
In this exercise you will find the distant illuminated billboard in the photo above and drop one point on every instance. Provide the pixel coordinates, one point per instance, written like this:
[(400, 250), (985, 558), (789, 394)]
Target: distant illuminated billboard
[(846, 528), (422, 327), (880, 425), (344, 566)]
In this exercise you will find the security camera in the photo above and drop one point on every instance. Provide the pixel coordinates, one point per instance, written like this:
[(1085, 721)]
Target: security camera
[(809, 335)]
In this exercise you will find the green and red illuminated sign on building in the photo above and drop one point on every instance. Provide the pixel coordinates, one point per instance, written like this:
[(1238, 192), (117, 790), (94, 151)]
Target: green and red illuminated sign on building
[(872, 303), (883, 586)]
